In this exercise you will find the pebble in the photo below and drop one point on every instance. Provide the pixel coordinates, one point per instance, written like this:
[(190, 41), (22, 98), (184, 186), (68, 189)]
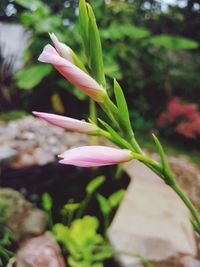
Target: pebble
[(31, 141)]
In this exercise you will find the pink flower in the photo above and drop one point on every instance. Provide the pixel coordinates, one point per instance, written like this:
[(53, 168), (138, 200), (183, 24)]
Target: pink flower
[(62, 49), (91, 156), (67, 123), (72, 73)]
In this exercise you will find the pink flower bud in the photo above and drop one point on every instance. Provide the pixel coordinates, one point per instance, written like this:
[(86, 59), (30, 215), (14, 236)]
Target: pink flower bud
[(67, 123), (62, 49), (72, 73), (91, 156)]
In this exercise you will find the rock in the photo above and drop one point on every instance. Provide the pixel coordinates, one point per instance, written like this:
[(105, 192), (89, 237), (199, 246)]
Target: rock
[(188, 261), (187, 175), (40, 251), (151, 220), (22, 218), (7, 155)]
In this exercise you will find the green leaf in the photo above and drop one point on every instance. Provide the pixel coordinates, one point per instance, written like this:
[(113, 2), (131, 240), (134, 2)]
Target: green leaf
[(95, 184), (83, 24), (30, 77), (116, 138), (61, 233), (169, 178), (116, 198), (117, 32), (57, 103), (104, 253), (122, 106), (71, 207), (104, 204), (173, 42), (95, 49), (87, 237), (30, 4), (47, 201)]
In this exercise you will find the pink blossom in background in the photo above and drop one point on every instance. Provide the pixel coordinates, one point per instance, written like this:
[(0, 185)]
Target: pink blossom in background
[(91, 156), (184, 117), (67, 123), (73, 74)]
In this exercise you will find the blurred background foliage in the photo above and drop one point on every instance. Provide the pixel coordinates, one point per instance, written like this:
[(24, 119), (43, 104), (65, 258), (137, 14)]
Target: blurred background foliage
[(150, 46)]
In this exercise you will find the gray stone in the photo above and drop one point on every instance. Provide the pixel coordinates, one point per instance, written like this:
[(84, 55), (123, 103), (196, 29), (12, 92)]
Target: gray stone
[(41, 251), (151, 220), (22, 218), (7, 155)]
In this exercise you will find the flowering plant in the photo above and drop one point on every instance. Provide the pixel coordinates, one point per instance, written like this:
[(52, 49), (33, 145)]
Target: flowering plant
[(184, 117), (90, 79)]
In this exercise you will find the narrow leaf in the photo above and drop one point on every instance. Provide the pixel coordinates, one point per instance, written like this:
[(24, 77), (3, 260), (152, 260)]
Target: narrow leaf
[(83, 23), (116, 198), (95, 49), (95, 184), (47, 201), (103, 204), (122, 105)]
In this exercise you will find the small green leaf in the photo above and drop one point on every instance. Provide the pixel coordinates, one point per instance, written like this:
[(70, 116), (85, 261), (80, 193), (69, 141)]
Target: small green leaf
[(95, 184), (71, 207), (61, 232), (173, 42), (104, 204), (104, 253), (30, 4), (169, 178), (116, 198), (122, 106), (57, 103), (47, 201), (30, 77), (95, 49)]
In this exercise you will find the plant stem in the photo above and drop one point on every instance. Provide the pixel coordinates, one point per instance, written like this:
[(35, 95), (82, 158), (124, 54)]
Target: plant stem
[(93, 117), (195, 214)]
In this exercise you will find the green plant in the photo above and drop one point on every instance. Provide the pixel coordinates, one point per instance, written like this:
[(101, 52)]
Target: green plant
[(47, 204), (82, 242), (5, 237), (107, 205), (120, 133)]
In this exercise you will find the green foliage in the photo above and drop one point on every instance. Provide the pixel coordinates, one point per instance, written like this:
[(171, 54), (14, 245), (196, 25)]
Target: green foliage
[(5, 236), (107, 206), (173, 42), (85, 248), (12, 115), (95, 184), (28, 78), (116, 32), (123, 112), (47, 202), (95, 50), (91, 189)]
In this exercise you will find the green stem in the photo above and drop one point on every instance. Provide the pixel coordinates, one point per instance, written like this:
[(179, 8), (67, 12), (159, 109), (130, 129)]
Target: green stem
[(188, 203), (93, 117)]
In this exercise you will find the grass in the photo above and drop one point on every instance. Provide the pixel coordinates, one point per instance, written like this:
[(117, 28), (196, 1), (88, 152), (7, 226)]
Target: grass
[(171, 148)]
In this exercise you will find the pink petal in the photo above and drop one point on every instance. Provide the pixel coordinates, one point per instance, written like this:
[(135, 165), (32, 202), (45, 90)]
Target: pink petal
[(91, 156), (72, 73), (67, 123)]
